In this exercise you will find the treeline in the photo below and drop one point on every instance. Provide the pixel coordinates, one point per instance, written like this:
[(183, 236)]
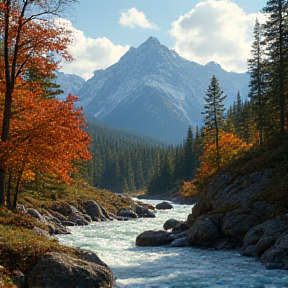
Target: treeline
[(125, 162)]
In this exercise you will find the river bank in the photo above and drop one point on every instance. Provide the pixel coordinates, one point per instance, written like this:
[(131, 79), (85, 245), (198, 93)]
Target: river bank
[(164, 266)]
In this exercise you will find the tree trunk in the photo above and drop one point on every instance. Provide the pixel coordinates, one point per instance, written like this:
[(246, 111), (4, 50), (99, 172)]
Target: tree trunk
[(9, 191), (2, 186)]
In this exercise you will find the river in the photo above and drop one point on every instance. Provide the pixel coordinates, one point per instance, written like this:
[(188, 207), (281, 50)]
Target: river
[(164, 267)]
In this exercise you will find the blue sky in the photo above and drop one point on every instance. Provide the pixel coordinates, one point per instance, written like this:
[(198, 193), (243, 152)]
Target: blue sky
[(200, 31)]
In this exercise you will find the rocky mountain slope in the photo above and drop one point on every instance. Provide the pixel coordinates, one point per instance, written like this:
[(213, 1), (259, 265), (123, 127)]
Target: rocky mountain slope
[(153, 91)]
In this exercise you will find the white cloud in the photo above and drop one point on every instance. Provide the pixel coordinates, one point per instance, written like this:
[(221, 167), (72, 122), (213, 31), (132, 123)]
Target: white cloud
[(133, 18), (91, 54), (217, 31)]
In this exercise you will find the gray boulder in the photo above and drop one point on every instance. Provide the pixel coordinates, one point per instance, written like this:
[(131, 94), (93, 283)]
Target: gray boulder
[(203, 233), (263, 236), (180, 242), (276, 257), (127, 213), (91, 256), (143, 212), (170, 224), (164, 205), (59, 270), (94, 210), (78, 219), (154, 238)]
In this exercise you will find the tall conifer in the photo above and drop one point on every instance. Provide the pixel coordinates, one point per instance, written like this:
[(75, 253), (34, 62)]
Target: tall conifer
[(256, 69), (276, 42), (214, 109)]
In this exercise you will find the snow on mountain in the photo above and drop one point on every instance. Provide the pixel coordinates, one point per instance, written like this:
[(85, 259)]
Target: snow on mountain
[(153, 91), (69, 83)]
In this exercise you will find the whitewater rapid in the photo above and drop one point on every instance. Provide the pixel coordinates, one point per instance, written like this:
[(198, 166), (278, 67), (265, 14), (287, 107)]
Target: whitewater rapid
[(166, 267)]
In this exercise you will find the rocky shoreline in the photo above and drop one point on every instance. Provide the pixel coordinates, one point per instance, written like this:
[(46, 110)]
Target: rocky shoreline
[(55, 269), (233, 212)]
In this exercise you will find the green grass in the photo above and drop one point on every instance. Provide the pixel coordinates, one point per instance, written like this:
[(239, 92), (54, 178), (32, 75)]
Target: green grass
[(20, 247)]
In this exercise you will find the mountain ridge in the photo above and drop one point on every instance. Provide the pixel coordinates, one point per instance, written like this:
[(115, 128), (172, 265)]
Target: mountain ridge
[(153, 91)]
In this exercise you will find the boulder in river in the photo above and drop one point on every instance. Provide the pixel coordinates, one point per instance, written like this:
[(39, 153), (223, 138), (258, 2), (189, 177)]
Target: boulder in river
[(153, 238), (126, 213), (276, 257), (143, 211), (203, 233), (170, 224), (164, 205)]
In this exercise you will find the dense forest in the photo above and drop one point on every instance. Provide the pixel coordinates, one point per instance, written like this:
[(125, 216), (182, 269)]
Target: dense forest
[(125, 162)]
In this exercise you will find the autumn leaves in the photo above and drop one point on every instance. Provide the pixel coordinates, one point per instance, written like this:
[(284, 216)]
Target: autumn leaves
[(38, 135)]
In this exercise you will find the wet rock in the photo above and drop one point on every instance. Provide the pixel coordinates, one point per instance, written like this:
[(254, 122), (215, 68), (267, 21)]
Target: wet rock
[(180, 227), (68, 223), (93, 209), (203, 233), (143, 212), (164, 205), (127, 213), (61, 270), (264, 236), (237, 225), (254, 235), (78, 219), (264, 244), (170, 224), (276, 257), (180, 242), (153, 238), (91, 256), (249, 251)]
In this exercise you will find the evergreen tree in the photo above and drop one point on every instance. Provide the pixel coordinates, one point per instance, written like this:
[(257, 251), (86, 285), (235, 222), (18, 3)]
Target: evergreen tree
[(188, 156), (256, 69), (214, 109), (276, 42)]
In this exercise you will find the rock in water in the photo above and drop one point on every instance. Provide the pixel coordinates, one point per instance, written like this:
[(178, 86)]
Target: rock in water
[(153, 238), (164, 205), (59, 270), (170, 223)]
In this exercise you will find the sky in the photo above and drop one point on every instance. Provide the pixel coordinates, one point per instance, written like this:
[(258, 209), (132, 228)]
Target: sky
[(200, 31)]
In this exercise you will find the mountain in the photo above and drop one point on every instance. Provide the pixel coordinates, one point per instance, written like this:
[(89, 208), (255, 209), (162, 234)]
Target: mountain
[(69, 83), (153, 91)]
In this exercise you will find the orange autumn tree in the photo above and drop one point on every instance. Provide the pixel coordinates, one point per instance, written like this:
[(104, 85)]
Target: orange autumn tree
[(28, 40), (46, 136), (230, 147)]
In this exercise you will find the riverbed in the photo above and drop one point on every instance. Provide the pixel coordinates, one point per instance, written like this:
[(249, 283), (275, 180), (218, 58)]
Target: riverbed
[(166, 267)]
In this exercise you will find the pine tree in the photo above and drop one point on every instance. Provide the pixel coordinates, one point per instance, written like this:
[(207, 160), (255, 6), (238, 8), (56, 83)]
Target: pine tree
[(214, 109), (256, 69), (276, 41), (188, 156)]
